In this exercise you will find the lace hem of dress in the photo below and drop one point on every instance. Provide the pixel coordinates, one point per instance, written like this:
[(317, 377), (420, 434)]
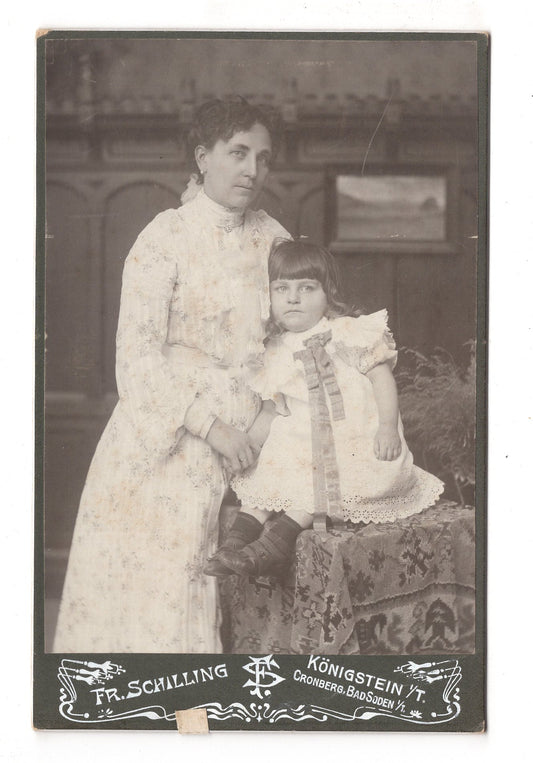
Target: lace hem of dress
[(426, 492), (396, 507)]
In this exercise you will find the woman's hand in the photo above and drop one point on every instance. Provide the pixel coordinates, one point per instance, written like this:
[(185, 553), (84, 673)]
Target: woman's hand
[(387, 443), (235, 446)]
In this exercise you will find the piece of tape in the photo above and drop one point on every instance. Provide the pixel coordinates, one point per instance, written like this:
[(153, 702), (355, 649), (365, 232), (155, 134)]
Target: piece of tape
[(193, 721)]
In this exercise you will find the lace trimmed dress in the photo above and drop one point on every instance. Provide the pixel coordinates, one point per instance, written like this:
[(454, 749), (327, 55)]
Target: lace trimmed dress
[(193, 308), (370, 490)]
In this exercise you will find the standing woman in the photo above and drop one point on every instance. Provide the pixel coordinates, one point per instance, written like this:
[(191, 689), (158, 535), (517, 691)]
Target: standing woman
[(193, 308)]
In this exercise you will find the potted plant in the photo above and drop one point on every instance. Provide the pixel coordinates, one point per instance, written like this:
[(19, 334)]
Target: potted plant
[(438, 407)]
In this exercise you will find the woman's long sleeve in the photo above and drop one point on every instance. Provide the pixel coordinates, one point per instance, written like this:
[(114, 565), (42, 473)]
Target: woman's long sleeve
[(157, 397)]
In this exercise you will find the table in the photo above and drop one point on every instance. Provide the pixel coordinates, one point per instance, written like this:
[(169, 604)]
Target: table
[(405, 587)]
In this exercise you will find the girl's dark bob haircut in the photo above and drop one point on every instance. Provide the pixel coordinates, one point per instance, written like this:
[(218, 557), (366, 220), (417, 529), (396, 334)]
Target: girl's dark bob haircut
[(220, 119), (301, 258)]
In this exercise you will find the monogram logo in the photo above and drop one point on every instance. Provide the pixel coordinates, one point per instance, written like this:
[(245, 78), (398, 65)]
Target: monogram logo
[(263, 675)]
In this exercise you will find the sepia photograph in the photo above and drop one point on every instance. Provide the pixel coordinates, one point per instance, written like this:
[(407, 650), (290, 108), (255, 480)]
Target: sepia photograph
[(260, 394)]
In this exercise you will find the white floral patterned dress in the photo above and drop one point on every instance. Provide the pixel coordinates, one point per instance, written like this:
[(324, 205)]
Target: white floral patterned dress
[(193, 309), (369, 490)]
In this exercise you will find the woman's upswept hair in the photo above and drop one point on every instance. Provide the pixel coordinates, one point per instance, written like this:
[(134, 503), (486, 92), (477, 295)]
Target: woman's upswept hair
[(220, 119), (301, 258)]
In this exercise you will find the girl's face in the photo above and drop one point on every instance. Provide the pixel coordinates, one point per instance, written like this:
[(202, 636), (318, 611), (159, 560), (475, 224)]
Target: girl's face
[(297, 303), (235, 170)]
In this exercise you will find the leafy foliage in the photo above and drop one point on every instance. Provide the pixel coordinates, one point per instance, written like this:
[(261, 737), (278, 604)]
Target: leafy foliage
[(438, 406)]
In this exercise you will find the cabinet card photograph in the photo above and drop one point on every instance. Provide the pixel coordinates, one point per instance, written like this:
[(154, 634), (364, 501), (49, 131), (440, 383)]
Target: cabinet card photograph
[(261, 372)]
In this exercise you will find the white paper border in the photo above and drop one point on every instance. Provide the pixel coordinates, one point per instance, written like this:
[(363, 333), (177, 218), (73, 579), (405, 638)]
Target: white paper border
[(511, 330)]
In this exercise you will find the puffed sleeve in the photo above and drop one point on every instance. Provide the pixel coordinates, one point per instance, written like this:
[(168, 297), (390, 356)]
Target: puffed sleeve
[(364, 342), (269, 379), (156, 399)]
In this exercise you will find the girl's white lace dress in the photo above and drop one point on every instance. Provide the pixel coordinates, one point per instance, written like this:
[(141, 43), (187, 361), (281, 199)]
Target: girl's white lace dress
[(370, 490), (193, 309)]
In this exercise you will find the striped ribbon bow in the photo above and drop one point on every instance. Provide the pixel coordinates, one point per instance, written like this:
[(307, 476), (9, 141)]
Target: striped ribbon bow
[(320, 380)]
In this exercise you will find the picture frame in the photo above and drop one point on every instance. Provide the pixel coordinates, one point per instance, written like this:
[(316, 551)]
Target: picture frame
[(364, 208)]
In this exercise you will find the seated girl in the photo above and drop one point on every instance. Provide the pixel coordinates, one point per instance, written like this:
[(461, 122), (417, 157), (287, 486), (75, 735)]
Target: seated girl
[(330, 434)]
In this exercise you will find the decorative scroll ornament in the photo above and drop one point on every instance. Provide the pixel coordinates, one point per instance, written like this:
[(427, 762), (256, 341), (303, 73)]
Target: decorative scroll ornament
[(423, 694)]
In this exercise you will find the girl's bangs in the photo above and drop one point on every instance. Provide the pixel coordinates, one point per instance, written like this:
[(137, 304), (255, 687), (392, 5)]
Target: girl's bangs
[(298, 265)]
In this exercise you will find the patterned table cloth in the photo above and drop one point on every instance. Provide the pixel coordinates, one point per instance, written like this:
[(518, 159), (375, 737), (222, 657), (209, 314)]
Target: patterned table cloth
[(396, 588)]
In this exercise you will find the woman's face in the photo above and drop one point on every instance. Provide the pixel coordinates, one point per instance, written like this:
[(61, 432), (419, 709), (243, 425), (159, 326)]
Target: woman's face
[(235, 170)]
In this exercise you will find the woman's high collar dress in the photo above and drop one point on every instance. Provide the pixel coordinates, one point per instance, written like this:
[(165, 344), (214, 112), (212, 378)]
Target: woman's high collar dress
[(193, 308)]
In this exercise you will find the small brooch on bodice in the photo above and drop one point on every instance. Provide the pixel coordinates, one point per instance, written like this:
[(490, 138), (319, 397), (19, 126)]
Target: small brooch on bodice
[(230, 225)]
